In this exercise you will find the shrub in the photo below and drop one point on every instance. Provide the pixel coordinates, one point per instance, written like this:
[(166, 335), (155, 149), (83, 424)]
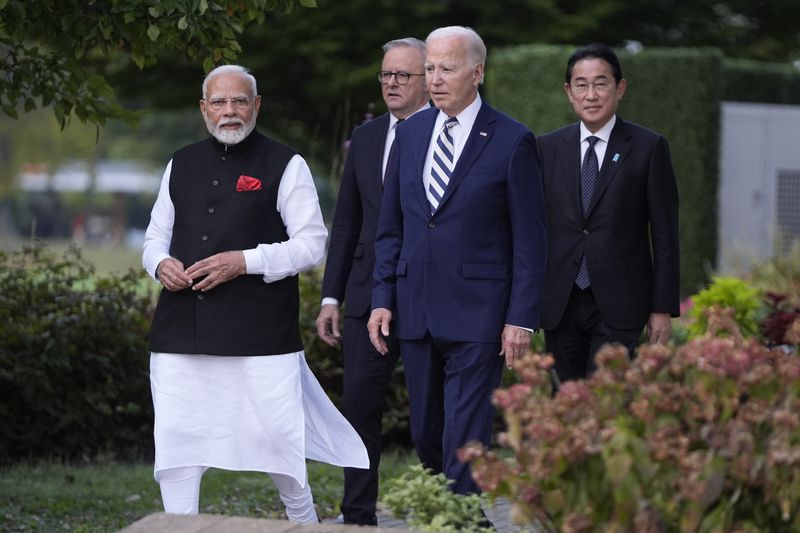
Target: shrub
[(731, 293), (781, 315), (705, 437), (426, 503), (73, 359)]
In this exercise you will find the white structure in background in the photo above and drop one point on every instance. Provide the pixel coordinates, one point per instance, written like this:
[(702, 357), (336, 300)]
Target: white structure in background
[(118, 178), (759, 189), (109, 176)]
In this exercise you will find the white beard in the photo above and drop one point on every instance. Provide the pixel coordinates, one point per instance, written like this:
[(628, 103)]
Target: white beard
[(230, 137)]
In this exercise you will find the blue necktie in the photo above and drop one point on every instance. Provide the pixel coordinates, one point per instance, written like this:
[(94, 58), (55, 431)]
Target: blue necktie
[(589, 172), (442, 165)]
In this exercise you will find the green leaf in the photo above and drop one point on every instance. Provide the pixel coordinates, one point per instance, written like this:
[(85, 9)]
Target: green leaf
[(10, 110), (308, 3), (138, 58), (154, 11), (182, 24), (153, 32), (203, 7)]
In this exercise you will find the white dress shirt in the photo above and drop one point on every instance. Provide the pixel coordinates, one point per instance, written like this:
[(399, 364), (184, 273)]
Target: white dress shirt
[(604, 134), (460, 133)]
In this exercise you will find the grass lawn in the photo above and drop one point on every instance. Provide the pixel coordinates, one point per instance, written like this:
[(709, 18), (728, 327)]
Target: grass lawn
[(108, 497), (107, 259)]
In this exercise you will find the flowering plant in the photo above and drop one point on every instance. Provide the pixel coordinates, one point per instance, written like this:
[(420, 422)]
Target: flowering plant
[(782, 314), (705, 437)]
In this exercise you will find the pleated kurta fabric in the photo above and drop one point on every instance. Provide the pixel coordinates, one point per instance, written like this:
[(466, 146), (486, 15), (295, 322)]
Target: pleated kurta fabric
[(264, 414)]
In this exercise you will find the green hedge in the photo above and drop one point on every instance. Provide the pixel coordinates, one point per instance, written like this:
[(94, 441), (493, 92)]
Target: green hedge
[(74, 363), (73, 360), (673, 91), (756, 81)]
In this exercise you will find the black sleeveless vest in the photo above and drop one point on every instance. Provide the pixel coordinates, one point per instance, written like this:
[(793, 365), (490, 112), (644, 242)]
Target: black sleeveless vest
[(243, 316)]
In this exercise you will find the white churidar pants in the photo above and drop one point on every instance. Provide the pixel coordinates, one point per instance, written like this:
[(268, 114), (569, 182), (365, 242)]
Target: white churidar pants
[(265, 413)]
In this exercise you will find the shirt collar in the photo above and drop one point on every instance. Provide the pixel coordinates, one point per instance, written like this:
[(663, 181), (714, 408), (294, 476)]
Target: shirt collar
[(604, 133), (465, 119), (393, 119)]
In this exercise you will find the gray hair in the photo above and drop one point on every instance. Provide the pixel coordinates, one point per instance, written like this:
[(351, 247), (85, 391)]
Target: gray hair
[(230, 69), (476, 50), (413, 42)]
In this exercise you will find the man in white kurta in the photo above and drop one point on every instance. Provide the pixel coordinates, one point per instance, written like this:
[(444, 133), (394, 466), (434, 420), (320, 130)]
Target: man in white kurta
[(236, 219)]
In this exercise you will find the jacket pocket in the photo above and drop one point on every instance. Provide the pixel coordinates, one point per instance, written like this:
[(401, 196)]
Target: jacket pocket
[(244, 195), (484, 271)]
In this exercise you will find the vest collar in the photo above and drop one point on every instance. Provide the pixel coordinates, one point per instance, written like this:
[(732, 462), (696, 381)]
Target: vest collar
[(234, 148)]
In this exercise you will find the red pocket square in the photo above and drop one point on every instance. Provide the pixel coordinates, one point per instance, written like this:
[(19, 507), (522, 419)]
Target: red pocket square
[(248, 183)]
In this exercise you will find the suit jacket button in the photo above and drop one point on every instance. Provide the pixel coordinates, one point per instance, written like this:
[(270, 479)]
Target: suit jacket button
[(204, 238), (586, 232), (211, 210), (431, 224), (201, 297), (215, 183)]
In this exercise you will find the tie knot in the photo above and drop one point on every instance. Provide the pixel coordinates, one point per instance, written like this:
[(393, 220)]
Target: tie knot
[(450, 122), (592, 140)]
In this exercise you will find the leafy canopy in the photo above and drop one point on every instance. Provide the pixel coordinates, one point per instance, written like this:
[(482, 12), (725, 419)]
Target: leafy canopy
[(48, 47)]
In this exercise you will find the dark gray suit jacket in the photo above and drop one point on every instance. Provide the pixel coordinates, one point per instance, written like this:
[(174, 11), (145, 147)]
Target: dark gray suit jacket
[(630, 235), (351, 252)]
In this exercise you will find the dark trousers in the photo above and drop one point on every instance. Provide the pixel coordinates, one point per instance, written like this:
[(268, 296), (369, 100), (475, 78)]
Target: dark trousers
[(367, 375), (450, 386), (580, 335)]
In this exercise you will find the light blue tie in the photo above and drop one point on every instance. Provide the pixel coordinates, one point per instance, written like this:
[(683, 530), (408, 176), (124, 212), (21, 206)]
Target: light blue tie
[(442, 165)]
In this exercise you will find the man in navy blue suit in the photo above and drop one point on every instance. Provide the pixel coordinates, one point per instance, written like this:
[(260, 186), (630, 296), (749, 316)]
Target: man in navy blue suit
[(460, 253), (351, 259)]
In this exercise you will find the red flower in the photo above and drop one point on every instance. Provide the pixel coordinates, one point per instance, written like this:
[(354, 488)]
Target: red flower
[(248, 183)]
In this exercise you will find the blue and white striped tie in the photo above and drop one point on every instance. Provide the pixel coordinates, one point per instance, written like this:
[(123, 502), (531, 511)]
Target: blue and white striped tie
[(442, 165)]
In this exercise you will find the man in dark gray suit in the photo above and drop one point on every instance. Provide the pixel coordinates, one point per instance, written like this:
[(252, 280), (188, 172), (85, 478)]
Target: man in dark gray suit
[(351, 258), (612, 221)]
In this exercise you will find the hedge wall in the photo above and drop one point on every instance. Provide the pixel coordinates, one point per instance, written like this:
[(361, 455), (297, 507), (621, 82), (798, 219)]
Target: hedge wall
[(755, 81), (673, 91)]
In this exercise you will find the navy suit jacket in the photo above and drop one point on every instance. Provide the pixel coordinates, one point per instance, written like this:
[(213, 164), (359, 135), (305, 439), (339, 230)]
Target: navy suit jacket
[(478, 262), (351, 252), (630, 235)]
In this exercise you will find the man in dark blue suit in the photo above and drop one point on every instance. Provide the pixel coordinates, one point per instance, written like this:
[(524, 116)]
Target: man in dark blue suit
[(614, 264), (460, 253), (351, 259)]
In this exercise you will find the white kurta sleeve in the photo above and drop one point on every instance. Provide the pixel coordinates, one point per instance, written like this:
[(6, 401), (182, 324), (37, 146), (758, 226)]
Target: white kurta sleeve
[(298, 205), (159, 232)]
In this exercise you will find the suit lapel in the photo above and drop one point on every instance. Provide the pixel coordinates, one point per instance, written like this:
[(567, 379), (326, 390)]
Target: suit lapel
[(378, 144), (423, 141), (479, 137), (571, 159), (617, 150)]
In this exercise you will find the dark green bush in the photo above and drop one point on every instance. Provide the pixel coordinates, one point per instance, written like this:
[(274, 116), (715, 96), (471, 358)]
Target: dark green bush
[(73, 359), (757, 81)]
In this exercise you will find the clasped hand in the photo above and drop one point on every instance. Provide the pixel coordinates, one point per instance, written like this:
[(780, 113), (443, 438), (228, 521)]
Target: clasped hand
[(214, 270)]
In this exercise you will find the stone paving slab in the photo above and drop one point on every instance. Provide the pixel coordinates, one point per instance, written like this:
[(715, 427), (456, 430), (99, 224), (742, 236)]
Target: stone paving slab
[(499, 515), (208, 523)]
